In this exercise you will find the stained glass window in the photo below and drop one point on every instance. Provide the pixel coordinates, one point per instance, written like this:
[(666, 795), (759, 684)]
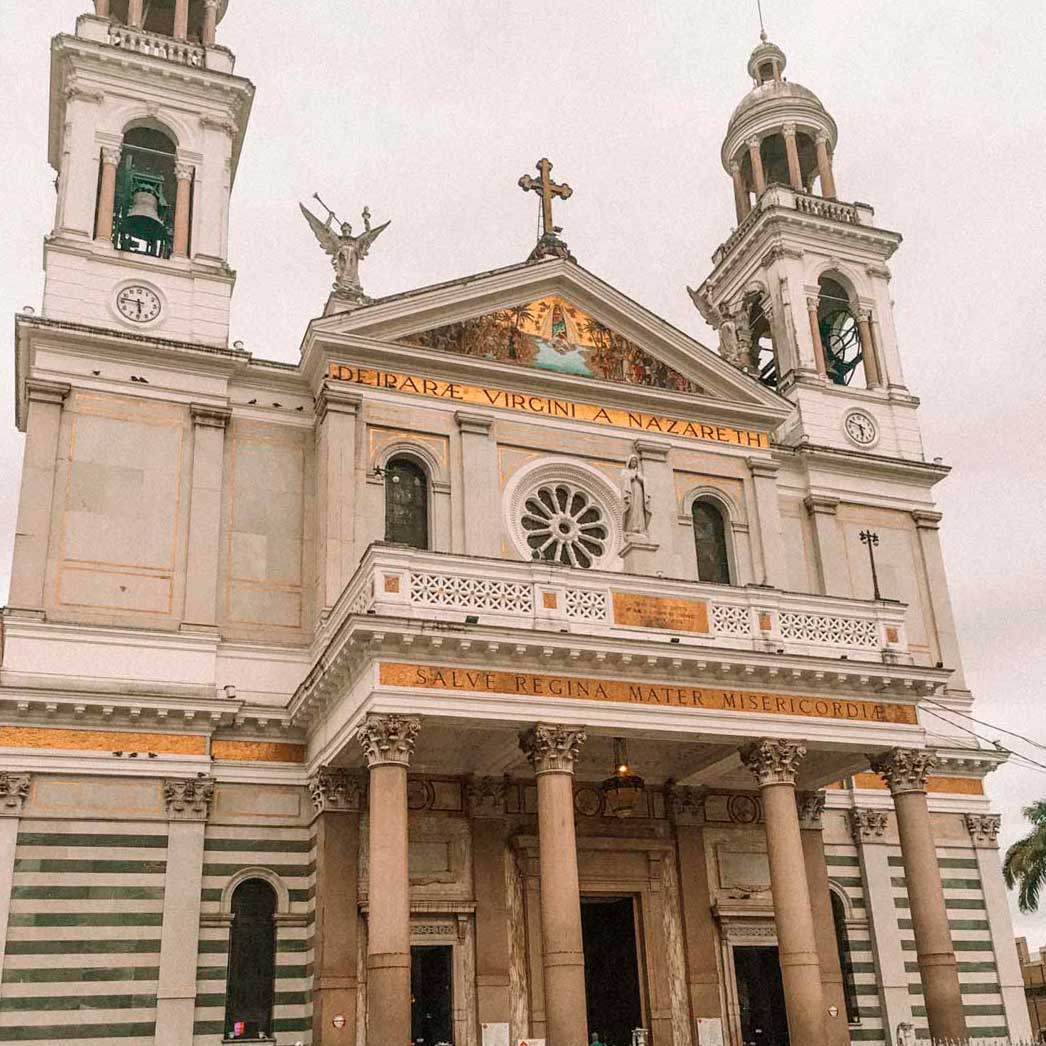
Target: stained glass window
[(406, 503), (252, 962), (713, 564)]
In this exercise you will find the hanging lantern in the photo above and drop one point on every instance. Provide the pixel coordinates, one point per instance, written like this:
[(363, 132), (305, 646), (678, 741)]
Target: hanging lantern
[(623, 791)]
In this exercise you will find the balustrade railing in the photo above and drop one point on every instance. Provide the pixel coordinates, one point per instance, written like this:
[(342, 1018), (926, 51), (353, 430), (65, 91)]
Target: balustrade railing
[(157, 46), (539, 596)]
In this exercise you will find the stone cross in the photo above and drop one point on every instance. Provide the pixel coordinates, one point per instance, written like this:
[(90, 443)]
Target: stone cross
[(548, 190)]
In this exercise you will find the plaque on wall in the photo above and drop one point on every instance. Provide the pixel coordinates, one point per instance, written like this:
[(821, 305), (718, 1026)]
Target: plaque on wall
[(495, 1035), (673, 615), (709, 1031)]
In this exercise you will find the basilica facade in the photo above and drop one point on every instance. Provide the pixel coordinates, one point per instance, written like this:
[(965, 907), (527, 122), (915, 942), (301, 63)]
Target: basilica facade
[(513, 667)]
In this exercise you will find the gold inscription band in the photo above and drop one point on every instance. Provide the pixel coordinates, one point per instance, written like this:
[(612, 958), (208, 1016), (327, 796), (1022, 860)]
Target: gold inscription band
[(553, 408), (526, 684)]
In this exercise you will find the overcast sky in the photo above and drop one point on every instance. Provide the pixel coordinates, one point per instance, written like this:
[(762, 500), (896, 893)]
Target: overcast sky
[(429, 111)]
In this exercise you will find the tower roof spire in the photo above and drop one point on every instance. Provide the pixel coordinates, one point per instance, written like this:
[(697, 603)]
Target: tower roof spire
[(762, 26)]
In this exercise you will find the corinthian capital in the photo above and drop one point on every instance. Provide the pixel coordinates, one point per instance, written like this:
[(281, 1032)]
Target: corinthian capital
[(866, 826), (486, 797), (335, 790), (905, 769), (389, 738), (183, 171), (111, 155), (773, 762), (810, 806), (686, 806), (983, 828), (188, 799), (14, 790), (551, 748)]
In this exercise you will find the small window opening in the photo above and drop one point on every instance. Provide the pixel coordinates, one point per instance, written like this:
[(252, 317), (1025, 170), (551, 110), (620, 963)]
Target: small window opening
[(406, 503), (713, 562)]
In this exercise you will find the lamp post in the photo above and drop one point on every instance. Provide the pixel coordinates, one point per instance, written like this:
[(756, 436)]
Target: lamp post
[(871, 539)]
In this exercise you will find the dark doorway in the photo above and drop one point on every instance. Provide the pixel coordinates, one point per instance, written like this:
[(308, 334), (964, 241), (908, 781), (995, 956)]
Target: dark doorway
[(760, 997), (431, 991), (608, 928)]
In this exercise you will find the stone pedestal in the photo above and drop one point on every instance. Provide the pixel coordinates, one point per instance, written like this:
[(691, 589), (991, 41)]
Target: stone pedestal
[(552, 751), (388, 741)]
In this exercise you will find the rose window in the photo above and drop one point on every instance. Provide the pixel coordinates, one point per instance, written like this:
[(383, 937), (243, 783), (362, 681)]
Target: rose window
[(564, 524)]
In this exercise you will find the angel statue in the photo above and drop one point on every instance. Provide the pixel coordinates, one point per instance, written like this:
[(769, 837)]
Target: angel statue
[(345, 249), (636, 499)]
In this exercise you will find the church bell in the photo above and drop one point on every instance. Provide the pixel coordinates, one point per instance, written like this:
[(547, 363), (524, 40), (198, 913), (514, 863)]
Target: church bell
[(143, 217)]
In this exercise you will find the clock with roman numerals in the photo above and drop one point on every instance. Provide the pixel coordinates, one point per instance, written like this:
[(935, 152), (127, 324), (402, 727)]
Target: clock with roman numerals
[(138, 303)]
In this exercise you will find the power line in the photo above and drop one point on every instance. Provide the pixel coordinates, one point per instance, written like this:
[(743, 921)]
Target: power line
[(1026, 762), (982, 722)]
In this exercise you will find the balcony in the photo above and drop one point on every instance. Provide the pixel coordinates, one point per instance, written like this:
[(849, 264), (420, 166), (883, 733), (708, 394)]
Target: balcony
[(541, 597), (154, 45), (786, 198)]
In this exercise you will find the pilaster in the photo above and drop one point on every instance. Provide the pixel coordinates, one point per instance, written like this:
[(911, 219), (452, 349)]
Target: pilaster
[(927, 527), (188, 804), (205, 516), (39, 462), (768, 519), (832, 568), (14, 791), (480, 484)]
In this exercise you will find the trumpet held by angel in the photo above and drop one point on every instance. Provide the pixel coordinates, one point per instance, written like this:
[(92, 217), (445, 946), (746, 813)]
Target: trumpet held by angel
[(345, 250)]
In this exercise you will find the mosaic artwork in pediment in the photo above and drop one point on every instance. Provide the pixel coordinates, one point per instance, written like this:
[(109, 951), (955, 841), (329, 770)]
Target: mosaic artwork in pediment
[(551, 334)]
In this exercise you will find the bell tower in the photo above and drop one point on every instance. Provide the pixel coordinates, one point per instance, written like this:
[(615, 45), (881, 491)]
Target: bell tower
[(799, 291), (147, 121)]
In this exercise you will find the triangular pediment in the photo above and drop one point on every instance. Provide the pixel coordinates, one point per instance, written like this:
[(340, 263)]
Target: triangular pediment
[(555, 319)]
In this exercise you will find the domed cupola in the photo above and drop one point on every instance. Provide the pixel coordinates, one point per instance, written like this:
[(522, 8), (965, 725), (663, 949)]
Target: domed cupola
[(779, 134)]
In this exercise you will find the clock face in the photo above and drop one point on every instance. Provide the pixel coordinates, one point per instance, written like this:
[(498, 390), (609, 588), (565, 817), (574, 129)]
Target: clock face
[(861, 428), (138, 304)]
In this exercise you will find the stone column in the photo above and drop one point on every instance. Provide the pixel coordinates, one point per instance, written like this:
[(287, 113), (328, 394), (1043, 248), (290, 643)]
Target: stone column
[(181, 19), (906, 771), (795, 176), (758, 177), (824, 167), (14, 790), (101, 8), (188, 803), (768, 512), (812, 304), (811, 809), (135, 13), (337, 412), (205, 516), (388, 741), (869, 830), (871, 364), (552, 751), (39, 462), (984, 833), (337, 797), (183, 173), (480, 484), (742, 201), (486, 806), (210, 22), (927, 527), (831, 552), (103, 227), (775, 765), (686, 809)]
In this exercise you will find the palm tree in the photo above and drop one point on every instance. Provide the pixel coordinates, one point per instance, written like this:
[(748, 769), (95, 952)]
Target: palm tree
[(1025, 862)]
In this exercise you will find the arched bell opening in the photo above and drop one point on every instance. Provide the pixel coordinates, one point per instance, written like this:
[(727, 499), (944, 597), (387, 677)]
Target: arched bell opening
[(775, 159), (807, 150), (763, 350), (840, 335), (160, 17), (146, 190)]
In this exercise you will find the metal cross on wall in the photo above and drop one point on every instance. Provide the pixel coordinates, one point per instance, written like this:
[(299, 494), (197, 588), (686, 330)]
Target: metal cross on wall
[(549, 244)]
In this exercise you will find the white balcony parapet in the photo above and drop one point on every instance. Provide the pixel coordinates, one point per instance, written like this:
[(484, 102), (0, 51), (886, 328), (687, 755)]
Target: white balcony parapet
[(157, 46), (427, 586)]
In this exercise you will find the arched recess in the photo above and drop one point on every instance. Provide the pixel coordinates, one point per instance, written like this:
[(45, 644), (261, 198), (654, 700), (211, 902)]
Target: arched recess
[(250, 989), (408, 502), (736, 530), (283, 897), (841, 912)]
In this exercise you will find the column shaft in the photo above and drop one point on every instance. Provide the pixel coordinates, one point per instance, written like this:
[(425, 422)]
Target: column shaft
[(768, 512), (489, 852), (815, 334), (871, 364), (933, 938), (758, 177), (181, 19), (742, 201), (824, 168), (210, 21), (135, 13), (39, 463), (101, 8), (103, 228), (205, 515), (795, 176), (182, 207)]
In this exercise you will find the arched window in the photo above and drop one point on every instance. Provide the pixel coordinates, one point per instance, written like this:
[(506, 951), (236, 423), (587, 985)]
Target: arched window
[(713, 563), (406, 503), (143, 209), (763, 352), (840, 337), (842, 942), (250, 990)]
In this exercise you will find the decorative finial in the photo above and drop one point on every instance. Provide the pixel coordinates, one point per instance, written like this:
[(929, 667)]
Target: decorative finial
[(549, 244), (345, 250)]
